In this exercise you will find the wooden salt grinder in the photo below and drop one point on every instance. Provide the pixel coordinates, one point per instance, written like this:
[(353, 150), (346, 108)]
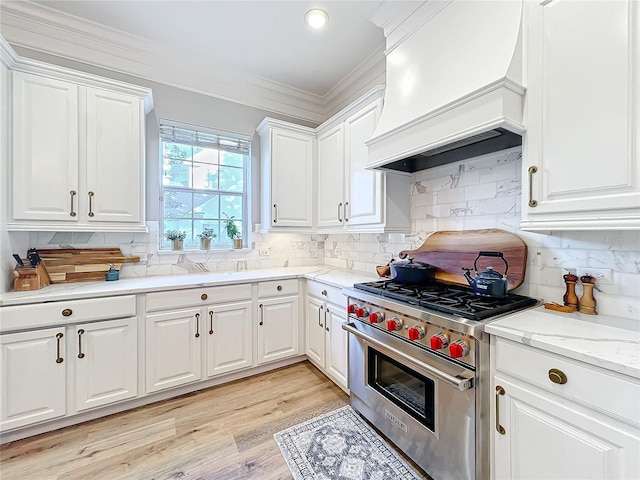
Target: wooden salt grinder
[(587, 301), (570, 298)]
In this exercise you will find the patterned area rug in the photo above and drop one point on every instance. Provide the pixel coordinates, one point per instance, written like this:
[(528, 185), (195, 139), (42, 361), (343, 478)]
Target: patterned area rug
[(340, 445)]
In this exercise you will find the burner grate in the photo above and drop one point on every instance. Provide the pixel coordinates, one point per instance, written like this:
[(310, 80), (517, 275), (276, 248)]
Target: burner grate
[(447, 299)]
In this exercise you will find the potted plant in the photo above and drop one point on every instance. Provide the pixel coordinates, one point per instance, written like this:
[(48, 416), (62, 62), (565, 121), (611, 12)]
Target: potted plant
[(177, 239), (232, 231), (205, 238)]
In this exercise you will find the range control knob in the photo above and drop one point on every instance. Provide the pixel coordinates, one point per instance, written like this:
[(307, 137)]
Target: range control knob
[(416, 333), (438, 341), (362, 312), (376, 317), (394, 324), (458, 349), (352, 308)]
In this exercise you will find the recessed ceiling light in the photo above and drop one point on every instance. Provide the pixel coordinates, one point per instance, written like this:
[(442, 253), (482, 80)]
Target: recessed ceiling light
[(316, 18)]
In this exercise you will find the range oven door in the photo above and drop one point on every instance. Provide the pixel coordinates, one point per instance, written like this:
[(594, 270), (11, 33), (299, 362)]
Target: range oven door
[(424, 404)]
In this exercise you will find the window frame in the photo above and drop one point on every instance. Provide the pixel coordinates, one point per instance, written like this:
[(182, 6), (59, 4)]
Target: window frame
[(163, 244)]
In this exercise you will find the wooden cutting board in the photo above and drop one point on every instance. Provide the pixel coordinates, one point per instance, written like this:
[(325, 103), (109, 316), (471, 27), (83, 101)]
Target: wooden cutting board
[(82, 264), (449, 251)]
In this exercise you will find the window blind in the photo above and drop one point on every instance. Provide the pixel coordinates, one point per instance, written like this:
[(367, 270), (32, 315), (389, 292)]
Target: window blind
[(171, 133)]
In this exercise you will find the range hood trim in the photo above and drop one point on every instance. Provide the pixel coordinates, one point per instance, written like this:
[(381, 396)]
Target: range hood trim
[(505, 94)]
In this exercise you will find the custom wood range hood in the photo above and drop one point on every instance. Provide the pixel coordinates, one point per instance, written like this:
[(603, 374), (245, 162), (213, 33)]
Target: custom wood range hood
[(454, 85)]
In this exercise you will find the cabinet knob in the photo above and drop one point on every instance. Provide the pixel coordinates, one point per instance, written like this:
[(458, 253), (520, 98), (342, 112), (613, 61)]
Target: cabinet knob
[(204, 296), (67, 312), (557, 376), (279, 288), (324, 292)]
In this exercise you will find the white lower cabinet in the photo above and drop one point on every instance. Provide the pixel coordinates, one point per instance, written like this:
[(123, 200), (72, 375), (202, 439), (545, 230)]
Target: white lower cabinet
[(173, 346), (106, 363), (229, 337), (585, 428), (278, 320), (34, 377), (327, 344), (208, 332)]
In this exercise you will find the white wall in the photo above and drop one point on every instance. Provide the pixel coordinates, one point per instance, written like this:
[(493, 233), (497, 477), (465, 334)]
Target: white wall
[(485, 192)]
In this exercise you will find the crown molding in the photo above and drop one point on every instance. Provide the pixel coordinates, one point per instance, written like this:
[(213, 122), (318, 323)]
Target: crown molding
[(48, 31)]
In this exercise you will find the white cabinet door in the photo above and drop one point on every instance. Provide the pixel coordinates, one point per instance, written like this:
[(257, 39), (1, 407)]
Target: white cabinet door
[(277, 329), (337, 345), (546, 438), (291, 179), (106, 362), (584, 111), (114, 157), (229, 338), (331, 199), (33, 368), (364, 188), (173, 349), (45, 149), (315, 342)]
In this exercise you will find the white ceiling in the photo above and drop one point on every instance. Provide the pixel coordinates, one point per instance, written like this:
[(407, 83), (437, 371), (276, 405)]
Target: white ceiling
[(268, 39)]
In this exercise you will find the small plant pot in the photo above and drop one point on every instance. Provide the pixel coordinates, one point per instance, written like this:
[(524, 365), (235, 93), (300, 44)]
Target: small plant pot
[(237, 243), (205, 244), (177, 245)]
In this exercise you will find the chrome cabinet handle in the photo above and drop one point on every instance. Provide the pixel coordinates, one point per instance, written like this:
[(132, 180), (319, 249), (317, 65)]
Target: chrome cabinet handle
[(59, 359), (210, 322), (275, 215), (346, 218), (197, 325), (499, 392), (73, 194), (326, 325), (91, 194), (80, 354), (532, 202), (261, 315), (339, 207), (320, 313)]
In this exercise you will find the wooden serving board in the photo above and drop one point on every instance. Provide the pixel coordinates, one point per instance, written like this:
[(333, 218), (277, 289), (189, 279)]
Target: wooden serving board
[(449, 251), (82, 264)]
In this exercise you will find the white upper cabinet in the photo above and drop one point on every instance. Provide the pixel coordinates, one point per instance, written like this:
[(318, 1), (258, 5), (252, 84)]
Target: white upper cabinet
[(287, 154), (77, 160), (349, 196), (581, 169)]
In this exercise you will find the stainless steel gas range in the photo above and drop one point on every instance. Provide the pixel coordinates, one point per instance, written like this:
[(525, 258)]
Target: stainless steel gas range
[(419, 370)]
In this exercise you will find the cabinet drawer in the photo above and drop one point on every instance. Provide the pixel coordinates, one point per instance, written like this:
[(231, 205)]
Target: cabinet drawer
[(326, 292), (72, 311), (585, 384), (195, 297), (278, 287)]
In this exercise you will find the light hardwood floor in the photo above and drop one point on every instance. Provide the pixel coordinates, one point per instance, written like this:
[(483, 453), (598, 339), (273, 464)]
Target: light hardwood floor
[(223, 433)]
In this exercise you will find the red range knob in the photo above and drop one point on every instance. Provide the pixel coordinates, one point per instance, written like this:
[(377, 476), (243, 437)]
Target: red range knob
[(416, 333), (438, 341), (362, 312), (376, 317), (352, 308), (458, 349), (394, 324)]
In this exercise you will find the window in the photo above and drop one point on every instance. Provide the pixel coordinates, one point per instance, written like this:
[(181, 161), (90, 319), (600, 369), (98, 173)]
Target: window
[(204, 184)]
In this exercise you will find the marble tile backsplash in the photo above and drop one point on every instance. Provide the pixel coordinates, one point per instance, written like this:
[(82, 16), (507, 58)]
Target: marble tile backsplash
[(483, 192)]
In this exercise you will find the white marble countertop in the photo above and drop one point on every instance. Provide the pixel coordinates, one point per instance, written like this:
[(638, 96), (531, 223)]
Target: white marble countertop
[(73, 291), (599, 340)]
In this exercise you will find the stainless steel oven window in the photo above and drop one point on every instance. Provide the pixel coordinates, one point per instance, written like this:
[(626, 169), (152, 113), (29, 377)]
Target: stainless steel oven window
[(407, 389)]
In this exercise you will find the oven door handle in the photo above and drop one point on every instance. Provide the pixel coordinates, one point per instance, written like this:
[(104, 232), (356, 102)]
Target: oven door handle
[(461, 384)]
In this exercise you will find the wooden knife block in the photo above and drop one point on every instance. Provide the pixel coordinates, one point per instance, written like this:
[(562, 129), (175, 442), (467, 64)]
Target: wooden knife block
[(30, 278)]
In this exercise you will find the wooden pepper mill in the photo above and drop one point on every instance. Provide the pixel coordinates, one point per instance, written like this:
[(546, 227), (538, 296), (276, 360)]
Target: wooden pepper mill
[(587, 301), (570, 298)]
